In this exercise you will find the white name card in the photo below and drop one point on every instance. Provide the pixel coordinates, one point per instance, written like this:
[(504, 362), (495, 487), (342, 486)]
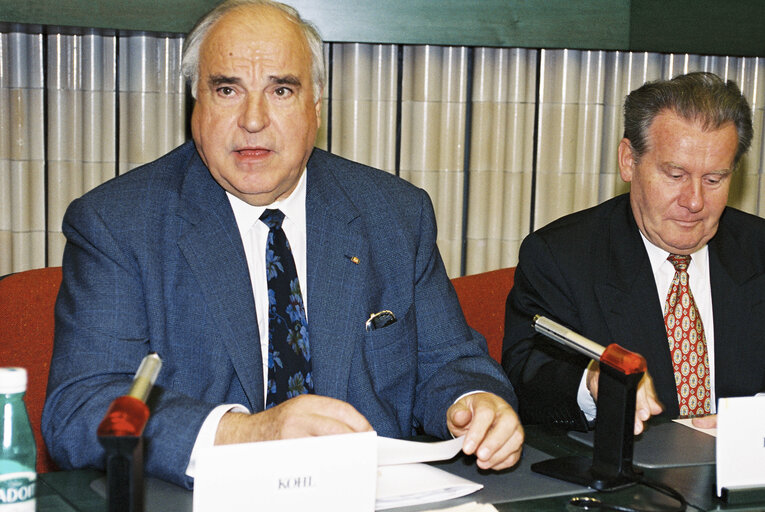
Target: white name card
[(336, 473), (740, 443)]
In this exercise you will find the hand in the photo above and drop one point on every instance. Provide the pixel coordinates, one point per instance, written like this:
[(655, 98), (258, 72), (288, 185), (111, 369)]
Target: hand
[(705, 421), (646, 402), (302, 416), (492, 429)]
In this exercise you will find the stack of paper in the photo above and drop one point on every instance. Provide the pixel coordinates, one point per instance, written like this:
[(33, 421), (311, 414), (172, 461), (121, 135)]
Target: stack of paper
[(403, 479)]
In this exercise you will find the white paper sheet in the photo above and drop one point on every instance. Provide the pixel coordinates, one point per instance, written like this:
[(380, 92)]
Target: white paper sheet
[(397, 451), (403, 481), (688, 422), (414, 484)]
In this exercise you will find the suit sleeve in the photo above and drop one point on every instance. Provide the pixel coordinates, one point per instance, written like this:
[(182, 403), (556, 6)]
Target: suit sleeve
[(452, 359), (545, 375), (101, 335)]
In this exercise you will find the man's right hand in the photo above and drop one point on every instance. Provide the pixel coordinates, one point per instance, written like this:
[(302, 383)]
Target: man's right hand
[(302, 416), (646, 402)]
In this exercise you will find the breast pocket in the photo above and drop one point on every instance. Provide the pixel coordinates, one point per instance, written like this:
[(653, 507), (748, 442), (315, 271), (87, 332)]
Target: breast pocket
[(390, 354)]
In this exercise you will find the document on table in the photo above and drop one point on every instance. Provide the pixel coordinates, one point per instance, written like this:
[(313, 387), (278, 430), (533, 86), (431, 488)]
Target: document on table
[(397, 451), (688, 422), (403, 479)]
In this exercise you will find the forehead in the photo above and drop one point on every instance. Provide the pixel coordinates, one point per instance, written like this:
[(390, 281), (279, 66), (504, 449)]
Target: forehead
[(255, 35), (671, 134)]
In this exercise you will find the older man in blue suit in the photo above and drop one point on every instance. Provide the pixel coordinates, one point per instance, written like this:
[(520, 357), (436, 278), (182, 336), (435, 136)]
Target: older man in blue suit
[(171, 258)]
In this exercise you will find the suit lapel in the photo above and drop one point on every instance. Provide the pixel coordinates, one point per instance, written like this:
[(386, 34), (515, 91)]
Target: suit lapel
[(736, 289), (335, 281), (213, 249), (629, 300)]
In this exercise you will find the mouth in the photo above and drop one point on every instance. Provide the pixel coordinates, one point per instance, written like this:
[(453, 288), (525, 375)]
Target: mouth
[(687, 223), (255, 152)]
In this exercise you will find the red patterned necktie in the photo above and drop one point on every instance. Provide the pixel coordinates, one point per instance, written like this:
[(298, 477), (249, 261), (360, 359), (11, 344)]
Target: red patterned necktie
[(687, 343)]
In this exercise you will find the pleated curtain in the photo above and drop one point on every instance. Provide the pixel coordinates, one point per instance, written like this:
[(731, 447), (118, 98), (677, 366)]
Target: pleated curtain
[(504, 140)]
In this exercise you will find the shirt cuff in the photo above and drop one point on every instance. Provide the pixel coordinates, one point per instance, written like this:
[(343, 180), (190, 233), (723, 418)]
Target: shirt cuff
[(206, 435), (584, 399), (468, 394)]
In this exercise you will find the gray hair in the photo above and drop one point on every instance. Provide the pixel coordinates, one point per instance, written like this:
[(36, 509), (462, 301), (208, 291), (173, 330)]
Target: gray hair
[(702, 97), (193, 43)]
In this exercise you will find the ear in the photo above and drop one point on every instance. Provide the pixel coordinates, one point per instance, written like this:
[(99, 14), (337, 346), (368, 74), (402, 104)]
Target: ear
[(627, 160), (317, 106)]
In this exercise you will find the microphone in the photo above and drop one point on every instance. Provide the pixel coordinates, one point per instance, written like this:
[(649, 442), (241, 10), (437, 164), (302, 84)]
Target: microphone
[(613, 355), (127, 415)]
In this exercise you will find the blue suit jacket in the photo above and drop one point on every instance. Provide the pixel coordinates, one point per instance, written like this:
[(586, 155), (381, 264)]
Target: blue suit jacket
[(154, 262)]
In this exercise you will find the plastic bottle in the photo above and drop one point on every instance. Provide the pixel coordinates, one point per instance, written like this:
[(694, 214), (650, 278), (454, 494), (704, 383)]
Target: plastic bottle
[(18, 452)]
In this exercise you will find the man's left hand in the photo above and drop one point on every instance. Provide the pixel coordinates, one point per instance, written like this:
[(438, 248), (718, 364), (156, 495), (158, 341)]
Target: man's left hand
[(491, 428)]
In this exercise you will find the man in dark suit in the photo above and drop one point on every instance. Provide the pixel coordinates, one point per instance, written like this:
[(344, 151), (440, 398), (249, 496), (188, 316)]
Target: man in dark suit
[(171, 257), (604, 272)]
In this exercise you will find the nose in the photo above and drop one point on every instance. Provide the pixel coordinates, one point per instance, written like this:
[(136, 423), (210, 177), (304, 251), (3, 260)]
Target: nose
[(254, 115), (692, 196)]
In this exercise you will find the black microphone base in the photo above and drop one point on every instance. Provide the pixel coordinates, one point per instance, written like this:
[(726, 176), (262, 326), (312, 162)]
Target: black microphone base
[(579, 470)]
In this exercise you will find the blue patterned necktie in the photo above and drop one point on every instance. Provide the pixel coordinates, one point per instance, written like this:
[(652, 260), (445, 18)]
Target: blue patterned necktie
[(289, 356)]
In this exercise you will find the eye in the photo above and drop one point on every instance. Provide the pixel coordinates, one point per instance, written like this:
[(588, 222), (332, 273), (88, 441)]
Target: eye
[(225, 90), (283, 92), (713, 180), (673, 173)]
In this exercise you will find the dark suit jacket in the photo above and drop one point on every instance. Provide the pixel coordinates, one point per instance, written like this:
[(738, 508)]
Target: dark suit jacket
[(590, 272), (154, 261)]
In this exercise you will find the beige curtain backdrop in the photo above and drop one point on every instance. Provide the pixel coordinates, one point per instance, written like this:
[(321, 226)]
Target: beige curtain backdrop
[(22, 153), (537, 128)]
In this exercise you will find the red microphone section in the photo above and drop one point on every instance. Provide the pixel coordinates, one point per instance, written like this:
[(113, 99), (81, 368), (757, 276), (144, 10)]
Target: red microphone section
[(126, 416), (623, 360)]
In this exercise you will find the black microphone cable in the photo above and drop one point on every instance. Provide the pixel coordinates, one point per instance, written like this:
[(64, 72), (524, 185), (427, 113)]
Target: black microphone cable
[(581, 503)]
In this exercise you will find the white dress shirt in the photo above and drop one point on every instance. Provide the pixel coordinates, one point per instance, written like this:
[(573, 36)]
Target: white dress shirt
[(254, 235), (663, 273)]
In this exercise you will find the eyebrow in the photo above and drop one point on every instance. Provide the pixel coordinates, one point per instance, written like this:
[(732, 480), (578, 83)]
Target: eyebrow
[(285, 80), (672, 165), (216, 80)]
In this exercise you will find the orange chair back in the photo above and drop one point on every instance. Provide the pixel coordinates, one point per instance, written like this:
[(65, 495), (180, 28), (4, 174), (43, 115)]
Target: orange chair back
[(26, 337), (482, 297)]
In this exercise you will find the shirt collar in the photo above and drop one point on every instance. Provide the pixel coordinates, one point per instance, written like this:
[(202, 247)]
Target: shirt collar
[(293, 207), (658, 256)]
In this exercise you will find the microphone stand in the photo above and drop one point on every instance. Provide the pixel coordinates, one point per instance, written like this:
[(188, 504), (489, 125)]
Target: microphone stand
[(120, 433), (610, 467)]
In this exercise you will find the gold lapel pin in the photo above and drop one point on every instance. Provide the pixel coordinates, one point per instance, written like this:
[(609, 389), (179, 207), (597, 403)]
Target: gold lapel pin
[(354, 259)]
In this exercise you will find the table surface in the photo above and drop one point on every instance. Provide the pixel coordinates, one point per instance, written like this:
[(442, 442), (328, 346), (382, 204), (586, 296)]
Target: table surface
[(517, 489)]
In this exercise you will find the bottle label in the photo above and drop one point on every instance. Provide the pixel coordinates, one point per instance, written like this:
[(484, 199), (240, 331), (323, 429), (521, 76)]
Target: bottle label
[(17, 491)]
